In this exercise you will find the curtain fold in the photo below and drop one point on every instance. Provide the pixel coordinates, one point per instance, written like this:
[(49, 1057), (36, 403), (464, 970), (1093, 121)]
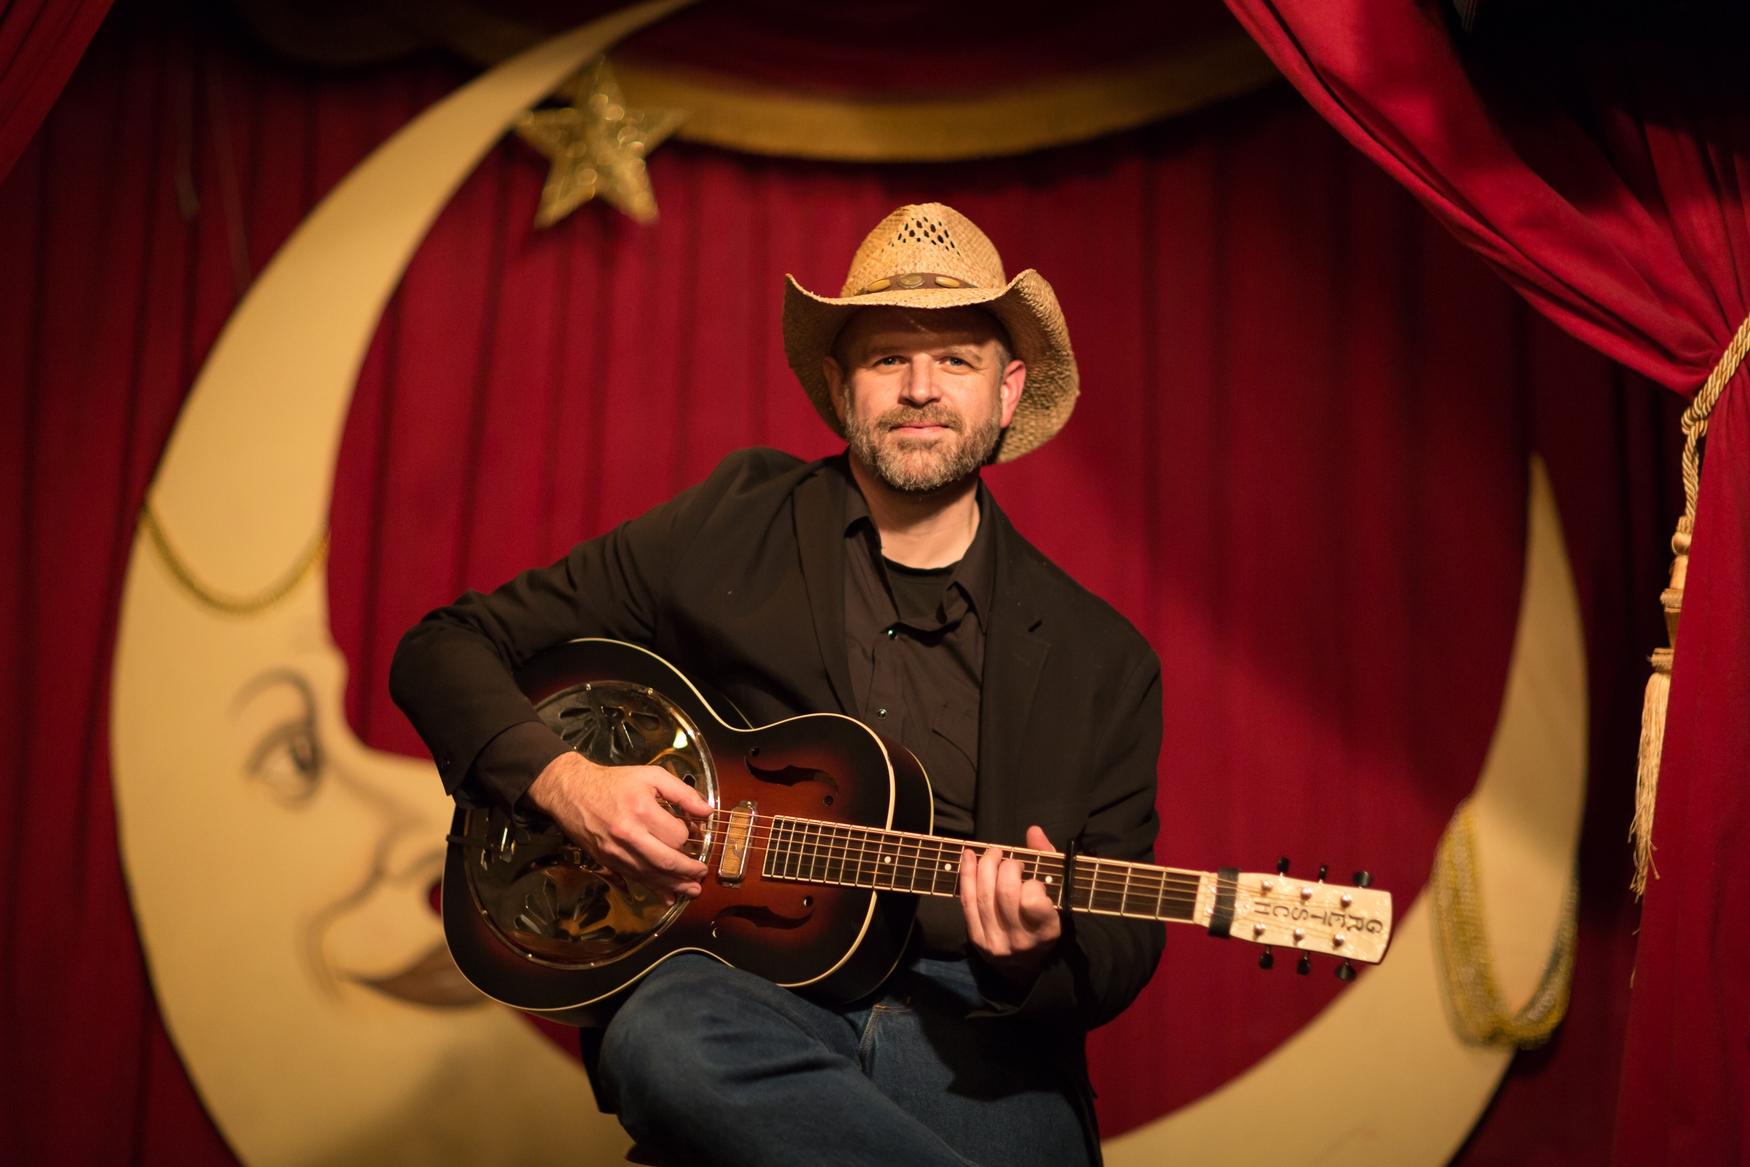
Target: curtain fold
[(1609, 189), (40, 42), (1298, 465)]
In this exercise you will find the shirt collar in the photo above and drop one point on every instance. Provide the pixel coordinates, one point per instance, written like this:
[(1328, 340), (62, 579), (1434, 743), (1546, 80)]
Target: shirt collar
[(976, 570)]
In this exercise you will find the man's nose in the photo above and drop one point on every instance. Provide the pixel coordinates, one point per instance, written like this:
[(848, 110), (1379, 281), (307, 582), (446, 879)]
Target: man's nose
[(920, 382)]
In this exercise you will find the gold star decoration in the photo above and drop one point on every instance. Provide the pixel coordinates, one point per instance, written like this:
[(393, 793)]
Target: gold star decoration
[(597, 146)]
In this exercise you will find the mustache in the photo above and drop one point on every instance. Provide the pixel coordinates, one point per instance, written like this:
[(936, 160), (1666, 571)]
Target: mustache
[(937, 414)]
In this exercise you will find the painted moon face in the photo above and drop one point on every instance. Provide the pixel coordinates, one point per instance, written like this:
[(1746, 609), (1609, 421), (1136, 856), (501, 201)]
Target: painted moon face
[(279, 870)]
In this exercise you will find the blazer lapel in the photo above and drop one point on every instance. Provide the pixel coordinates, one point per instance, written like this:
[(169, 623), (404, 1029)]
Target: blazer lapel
[(819, 515), (1015, 651)]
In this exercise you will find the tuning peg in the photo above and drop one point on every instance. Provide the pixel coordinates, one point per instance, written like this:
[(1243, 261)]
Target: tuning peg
[(1324, 870), (1267, 959), (1345, 972), (1282, 866), (1304, 965)]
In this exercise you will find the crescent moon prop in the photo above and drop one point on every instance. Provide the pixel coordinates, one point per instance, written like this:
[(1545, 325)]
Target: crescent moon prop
[(297, 1065), (1381, 1077), (277, 868)]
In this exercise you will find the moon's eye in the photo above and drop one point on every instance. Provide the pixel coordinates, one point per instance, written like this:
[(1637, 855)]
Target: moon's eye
[(288, 761)]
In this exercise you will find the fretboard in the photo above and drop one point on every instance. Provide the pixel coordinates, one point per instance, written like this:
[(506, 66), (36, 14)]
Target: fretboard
[(809, 851)]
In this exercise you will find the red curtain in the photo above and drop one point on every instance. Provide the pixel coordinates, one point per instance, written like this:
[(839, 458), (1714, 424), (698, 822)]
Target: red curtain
[(1611, 191), (1299, 465), (40, 42)]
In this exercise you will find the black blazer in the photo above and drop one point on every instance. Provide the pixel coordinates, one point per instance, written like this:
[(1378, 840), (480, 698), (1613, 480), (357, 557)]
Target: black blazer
[(740, 581)]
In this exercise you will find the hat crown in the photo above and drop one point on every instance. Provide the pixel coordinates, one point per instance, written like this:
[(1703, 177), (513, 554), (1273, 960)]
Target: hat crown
[(924, 238)]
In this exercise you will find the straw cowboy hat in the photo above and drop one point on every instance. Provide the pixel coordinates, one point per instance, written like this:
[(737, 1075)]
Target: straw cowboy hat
[(927, 255)]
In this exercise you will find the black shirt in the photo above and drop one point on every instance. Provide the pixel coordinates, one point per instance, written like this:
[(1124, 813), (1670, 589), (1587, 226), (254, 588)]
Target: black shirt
[(915, 641)]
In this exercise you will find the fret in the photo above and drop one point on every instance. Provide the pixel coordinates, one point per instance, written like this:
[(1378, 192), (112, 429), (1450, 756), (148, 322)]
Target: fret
[(816, 856), (829, 845), (822, 853), (860, 874), (793, 850), (884, 861), (1124, 895), (853, 866), (793, 863), (777, 849), (912, 861), (945, 863), (1160, 894), (854, 851), (1099, 896), (1053, 879), (835, 859), (901, 869)]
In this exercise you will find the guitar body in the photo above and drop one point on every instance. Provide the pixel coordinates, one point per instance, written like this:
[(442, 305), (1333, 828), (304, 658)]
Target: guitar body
[(533, 922)]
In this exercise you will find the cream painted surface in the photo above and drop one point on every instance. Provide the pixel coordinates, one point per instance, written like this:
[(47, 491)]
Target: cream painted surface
[(266, 890), (1380, 1077)]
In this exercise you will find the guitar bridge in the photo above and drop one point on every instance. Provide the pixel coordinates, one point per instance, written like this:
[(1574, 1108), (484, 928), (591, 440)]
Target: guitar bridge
[(735, 840)]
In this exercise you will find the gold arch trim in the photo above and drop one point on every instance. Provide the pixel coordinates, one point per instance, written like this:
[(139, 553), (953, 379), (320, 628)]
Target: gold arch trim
[(1058, 112), (754, 118)]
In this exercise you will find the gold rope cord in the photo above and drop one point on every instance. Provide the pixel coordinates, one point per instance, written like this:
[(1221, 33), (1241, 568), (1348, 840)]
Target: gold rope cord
[(1479, 1013), (1658, 692), (227, 602)]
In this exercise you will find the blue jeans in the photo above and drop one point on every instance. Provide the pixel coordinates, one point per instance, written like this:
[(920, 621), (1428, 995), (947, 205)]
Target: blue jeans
[(709, 1064)]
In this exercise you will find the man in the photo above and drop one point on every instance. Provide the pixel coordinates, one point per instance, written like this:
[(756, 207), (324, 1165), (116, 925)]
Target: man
[(886, 584)]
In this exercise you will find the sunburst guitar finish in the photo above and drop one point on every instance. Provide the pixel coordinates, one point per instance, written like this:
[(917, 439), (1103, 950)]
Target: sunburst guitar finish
[(817, 845)]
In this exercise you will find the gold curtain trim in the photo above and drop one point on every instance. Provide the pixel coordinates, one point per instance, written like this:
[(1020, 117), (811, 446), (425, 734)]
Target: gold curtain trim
[(733, 114), (1658, 692), (230, 603), (1479, 1013), (1055, 112)]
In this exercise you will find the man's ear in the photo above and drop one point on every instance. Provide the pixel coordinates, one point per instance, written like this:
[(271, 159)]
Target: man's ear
[(835, 384), (1010, 388)]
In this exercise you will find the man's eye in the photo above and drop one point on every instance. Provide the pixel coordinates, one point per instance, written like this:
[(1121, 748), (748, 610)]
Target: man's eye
[(288, 761), (958, 362), (889, 361)]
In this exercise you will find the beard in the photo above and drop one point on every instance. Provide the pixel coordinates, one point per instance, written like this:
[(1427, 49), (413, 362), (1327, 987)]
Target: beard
[(917, 465)]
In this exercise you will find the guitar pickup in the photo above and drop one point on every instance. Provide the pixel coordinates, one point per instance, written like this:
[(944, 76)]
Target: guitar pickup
[(735, 840)]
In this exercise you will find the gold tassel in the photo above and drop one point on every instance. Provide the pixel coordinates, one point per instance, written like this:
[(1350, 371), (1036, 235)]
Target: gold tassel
[(1659, 684), (1653, 713), (1647, 775)]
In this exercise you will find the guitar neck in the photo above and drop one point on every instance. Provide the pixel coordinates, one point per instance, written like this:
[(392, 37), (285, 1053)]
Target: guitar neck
[(1351, 922), (809, 851)]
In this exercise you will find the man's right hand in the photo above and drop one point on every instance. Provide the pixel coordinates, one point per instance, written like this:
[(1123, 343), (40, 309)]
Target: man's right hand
[(613, 813)]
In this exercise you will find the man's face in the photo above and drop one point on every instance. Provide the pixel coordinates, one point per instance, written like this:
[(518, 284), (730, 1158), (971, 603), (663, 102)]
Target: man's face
[(924, 395)]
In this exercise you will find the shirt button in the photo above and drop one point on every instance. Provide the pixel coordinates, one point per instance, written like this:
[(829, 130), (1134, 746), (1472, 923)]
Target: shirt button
[(892, 632), (881, 712)]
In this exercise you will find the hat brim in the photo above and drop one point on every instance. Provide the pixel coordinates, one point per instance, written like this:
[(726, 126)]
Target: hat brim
[(1027, 308)]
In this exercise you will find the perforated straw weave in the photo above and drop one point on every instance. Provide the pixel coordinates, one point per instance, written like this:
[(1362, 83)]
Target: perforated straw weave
[(930, 256)]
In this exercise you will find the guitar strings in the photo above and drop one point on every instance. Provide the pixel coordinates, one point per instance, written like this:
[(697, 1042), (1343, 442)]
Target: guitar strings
[(815, 845), (819, 843)]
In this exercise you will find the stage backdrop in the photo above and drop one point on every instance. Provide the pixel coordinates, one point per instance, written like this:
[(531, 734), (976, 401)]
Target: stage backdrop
[(1299, 466)]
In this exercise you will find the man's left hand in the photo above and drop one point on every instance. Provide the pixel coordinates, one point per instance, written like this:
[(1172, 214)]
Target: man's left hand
[(1011, 921)]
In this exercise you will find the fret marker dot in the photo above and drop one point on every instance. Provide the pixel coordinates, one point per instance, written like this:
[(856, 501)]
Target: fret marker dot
[(887, 859), (1048, 879)]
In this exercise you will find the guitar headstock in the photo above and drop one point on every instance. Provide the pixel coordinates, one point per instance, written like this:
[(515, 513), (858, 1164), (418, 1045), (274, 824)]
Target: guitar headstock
[(1352, 923)]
